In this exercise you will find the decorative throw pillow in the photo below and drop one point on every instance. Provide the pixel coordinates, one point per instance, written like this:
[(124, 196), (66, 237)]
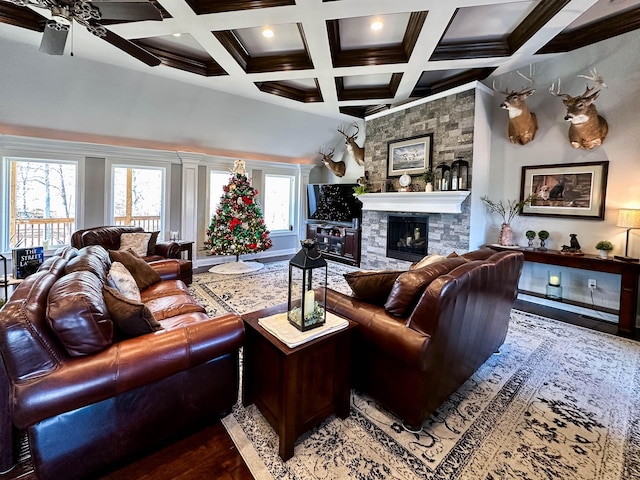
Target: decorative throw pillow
[(138, 242), (131, 318), (121, 279), (143, 273), (151, 246), (408, 286), (428, 260), (373, 287)]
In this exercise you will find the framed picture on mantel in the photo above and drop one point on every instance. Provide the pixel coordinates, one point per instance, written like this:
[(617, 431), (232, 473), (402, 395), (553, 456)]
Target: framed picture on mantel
[(409, 155), (571, 190)]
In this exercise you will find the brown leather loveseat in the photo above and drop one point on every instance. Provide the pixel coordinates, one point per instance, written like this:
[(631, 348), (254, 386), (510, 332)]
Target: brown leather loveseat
[(425, 331), (93, 378), (109, 237)]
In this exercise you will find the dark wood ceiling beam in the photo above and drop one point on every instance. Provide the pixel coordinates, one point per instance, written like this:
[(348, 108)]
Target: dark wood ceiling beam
[(21, 17), (201, 7), (376, 55), (367, 93), (182, 62), (290, 92), (502, 47), (594, 32)]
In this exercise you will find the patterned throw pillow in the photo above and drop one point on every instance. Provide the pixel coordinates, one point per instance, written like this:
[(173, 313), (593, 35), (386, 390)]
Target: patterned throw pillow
[(121, 279), (142, 272), (131, 318), (138, 242)]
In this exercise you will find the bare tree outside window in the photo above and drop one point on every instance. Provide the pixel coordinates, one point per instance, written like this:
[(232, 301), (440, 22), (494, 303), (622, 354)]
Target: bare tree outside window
[(42, 202), (138, 197)]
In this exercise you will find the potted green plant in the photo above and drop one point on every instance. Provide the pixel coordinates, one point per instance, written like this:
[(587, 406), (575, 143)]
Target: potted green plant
[(530, 234), (542, 235), (359, 190), (428, 178), (604, 247)]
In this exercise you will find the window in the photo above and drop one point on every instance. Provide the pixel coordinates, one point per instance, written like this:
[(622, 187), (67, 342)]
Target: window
[(42, 202), (138, 197), (217, 181), (278, 202)]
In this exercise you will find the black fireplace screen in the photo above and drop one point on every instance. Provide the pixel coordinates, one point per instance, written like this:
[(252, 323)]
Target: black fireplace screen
[(407, 237)]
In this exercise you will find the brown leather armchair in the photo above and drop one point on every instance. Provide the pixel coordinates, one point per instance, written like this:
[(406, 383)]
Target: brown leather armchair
[(109, 238), (457, 316)]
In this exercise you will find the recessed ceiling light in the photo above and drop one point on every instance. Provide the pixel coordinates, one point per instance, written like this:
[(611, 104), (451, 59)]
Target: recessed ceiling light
[(176, 34), (267, 32), (377, 25)]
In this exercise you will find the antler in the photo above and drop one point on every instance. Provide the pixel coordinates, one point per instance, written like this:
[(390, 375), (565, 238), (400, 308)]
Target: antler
[(523, 90), (326, 156), (595, 77), (558, 94), (349, 137)]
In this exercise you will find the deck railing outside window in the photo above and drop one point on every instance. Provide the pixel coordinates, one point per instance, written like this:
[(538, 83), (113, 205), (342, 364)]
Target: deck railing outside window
[(53, 232)]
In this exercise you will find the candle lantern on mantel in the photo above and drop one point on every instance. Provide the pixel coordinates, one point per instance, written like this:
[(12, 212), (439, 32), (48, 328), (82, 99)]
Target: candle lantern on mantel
[(460, 174), (307, 272), (442, 175)]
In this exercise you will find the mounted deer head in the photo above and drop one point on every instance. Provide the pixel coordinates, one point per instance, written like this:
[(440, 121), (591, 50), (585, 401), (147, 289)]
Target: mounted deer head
[(338, 168), (588, 129), (356, 151), (523, 123)]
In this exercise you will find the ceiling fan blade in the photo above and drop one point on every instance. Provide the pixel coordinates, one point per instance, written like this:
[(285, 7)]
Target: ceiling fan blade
[(132, 49), (128, 11), (54, 38)]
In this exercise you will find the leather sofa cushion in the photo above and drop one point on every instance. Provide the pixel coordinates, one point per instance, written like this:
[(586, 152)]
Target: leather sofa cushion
[(409, 285), (142, 272), (78, 315), (372, 286), (85, 261), (131, 318), (173, 305)]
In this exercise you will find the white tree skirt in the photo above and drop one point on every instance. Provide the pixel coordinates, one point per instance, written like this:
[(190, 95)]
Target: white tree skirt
[(232, 268)]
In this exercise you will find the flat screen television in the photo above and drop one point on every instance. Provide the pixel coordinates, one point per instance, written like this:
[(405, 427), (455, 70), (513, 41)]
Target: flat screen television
[(333, 202)]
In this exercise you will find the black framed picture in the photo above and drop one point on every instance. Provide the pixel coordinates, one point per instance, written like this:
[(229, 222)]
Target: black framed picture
[(409, 155), (575, 190)]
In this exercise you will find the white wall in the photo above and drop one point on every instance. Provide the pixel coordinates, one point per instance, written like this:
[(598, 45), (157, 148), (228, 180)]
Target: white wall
[(617, 60)]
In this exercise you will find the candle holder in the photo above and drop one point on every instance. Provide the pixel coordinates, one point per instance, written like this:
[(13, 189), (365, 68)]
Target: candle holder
[(554, 285), (307, 272)]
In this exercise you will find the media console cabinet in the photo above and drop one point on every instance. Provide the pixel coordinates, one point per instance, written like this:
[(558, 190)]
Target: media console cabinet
[(628, 271), (336, 242)]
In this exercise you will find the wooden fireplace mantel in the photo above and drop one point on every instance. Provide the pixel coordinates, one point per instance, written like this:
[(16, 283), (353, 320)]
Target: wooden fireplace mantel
[(414, 202)]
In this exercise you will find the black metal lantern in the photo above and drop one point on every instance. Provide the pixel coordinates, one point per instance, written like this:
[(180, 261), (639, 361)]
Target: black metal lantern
[(442, 174), (460, 174), (307, 272)]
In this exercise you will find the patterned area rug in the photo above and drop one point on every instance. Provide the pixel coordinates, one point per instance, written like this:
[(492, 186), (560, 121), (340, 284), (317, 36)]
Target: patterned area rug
[(248, 292), (559, 402)]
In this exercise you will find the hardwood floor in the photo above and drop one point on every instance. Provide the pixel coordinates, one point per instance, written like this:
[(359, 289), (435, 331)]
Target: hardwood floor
[(208, 453)]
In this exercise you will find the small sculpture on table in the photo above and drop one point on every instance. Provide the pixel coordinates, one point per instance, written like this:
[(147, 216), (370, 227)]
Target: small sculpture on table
[(573, 247)]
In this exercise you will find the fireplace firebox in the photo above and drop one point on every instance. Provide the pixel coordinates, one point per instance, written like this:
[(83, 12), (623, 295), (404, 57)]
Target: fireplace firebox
[(407, 237)]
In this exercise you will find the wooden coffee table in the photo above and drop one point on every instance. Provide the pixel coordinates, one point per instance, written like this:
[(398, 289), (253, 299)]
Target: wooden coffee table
[(295, 388)]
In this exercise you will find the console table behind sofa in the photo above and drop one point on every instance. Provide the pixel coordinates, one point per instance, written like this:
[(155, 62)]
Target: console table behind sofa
[(628, 271)]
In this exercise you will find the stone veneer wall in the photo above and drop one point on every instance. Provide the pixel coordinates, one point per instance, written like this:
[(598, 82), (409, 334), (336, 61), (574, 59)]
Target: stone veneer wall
[(451, 121)]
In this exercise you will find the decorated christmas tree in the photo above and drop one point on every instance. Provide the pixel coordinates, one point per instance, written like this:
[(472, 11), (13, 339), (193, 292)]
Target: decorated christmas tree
[(237, 227)]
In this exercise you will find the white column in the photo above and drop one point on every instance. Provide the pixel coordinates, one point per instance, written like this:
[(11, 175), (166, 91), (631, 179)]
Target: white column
[(189, 213)]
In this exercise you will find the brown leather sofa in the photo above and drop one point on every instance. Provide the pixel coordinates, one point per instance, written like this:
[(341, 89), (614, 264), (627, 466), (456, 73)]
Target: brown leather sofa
[(431, 328), (88, 393), (109, 238)]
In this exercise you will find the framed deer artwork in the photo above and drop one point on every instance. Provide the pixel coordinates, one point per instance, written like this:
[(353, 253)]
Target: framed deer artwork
[(575, 190), (409, 155)]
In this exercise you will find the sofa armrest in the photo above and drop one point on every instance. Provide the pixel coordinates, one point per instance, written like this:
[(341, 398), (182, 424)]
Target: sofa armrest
[(168, 250), (124, 366), (377, 327), (168, 269)]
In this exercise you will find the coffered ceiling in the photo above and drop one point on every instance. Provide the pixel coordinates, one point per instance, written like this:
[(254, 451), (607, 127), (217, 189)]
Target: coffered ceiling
[(323, 56)]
